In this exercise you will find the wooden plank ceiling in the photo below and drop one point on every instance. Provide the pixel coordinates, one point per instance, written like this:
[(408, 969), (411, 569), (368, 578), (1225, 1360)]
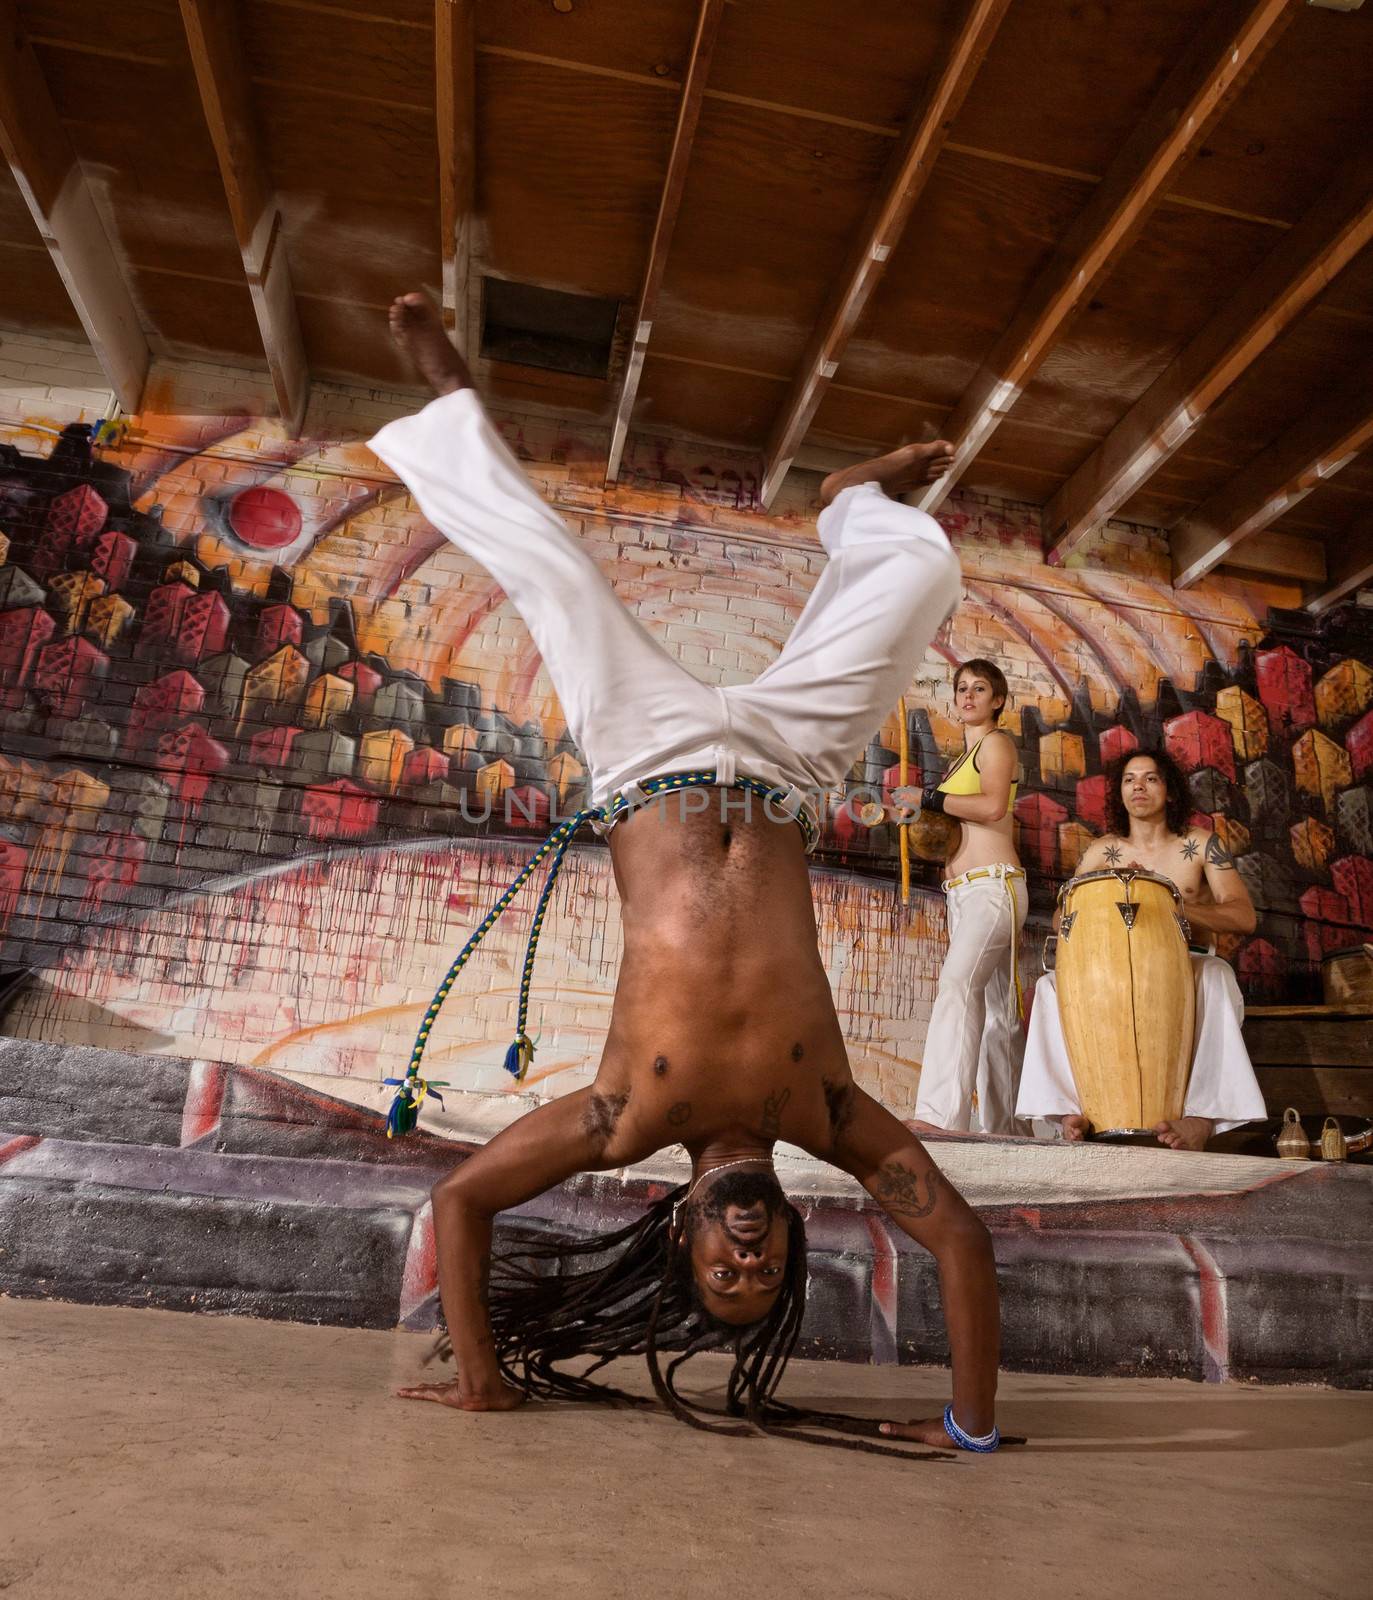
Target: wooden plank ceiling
[(1120, 254)]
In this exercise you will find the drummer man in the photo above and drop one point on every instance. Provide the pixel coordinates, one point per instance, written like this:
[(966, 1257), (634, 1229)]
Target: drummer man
[(1148, 805)]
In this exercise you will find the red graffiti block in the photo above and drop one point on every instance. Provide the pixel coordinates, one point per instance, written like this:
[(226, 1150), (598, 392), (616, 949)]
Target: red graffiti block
[(1116, 742), (1039, 818), (1091, 801), (73, 521), (527, 807), (202, 628), (365, 680), (66, 673), (1262, 969), (1284, 683), (190, 758), (80, 513), (272, 746), (162, 617), (14, 861), (278, 625), (116, 866), (1328, 925), (1359, 743), (423, 766), (1200, 740), (339, 810), (23, 633), (170, 698), (1352, 877), (111, 557)]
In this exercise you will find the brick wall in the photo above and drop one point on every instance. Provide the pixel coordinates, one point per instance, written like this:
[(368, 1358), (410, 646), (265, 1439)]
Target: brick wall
[(254, 714)]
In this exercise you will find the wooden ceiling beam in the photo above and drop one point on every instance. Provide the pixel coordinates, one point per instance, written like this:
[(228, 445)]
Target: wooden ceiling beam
[(1195, 94), (455, 69), (1273, 554), (226, 98), (49, 175), (669, 206), (1327, 239), (1316, 448), (885, 222), (1350, 570)]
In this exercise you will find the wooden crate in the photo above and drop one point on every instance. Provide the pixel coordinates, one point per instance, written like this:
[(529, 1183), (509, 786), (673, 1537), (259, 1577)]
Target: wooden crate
[(1347, 977)]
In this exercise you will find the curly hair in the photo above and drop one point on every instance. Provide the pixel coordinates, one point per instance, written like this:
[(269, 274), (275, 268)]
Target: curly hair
[(631, 1292), (1179, 802)]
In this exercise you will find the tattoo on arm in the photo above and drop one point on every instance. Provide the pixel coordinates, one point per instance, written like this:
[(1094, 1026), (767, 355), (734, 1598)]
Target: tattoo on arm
[(1112, 855), (1216, 853), (771, 1124), (899, 1190), (1189, 849), (680, 1114), (602, 1113)]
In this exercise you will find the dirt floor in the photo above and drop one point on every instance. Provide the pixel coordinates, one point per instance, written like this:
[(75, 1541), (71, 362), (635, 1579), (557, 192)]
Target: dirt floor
[(152, 1454)]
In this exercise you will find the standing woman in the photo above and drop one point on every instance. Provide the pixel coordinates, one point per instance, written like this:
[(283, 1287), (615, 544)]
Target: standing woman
[(976, 1017)]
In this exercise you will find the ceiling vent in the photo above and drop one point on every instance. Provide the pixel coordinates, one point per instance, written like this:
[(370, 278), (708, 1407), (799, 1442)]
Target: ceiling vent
[(533, 327)]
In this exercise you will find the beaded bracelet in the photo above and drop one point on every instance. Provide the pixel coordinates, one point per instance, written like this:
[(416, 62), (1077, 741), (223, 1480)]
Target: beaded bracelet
[(966, 1441)]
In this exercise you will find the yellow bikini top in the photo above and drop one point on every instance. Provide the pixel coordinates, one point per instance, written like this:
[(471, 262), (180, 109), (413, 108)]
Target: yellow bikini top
[(964, 778)]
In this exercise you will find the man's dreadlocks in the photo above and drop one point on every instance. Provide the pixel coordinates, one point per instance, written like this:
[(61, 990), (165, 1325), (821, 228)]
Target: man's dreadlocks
[(630, 1292)]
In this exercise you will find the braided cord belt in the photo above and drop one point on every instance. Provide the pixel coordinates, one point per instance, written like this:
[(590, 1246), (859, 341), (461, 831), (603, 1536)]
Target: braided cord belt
[(412, 1089)]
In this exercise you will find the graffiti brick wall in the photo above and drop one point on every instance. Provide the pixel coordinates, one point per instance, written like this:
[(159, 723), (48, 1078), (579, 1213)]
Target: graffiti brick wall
[(268, 744)]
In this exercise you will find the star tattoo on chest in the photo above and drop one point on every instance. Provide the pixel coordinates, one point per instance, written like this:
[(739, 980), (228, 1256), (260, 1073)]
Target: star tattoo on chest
[(1113, 854), (1189, 849)]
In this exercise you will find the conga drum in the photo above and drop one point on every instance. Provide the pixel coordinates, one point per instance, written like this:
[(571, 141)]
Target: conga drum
[(1126, 998)]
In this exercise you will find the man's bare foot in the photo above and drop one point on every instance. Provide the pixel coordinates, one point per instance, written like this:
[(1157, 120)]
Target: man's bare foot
[(501, 1398), (418, 329), (1185, 1133), (910, 467), (1074, 1129)]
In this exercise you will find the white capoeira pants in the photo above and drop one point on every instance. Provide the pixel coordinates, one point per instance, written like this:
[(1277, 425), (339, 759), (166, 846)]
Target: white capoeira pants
[(1222, 1086), (634, 712), (974, 1040)]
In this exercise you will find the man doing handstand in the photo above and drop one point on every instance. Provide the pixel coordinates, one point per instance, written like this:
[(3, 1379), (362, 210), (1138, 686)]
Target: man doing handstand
[(723, 1036)]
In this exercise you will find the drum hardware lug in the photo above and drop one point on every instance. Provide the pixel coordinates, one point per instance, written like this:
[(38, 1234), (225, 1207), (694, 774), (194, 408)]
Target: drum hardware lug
[(1185, 926), (1065, 924), (1128, 912), (1049, 955)]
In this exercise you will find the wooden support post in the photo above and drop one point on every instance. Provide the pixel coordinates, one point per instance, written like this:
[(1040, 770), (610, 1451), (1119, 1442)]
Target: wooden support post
[(217, 56), (54, 188), (455, 104)]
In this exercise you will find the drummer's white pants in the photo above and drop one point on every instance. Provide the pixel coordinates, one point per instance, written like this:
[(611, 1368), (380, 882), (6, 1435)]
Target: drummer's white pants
[(1222, 1086), (890, 582), (974, 1041)]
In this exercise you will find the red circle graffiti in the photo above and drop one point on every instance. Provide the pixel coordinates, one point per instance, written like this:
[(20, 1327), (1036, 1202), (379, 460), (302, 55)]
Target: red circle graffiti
[(266, 519)]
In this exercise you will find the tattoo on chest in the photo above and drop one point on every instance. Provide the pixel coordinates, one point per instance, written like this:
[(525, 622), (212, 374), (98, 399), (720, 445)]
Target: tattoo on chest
[(1189, 849), (839, 1104), (770, 1125), (899, 1190), (680, 1114), (1216, 853), (1113, 855), (602, 1113)]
